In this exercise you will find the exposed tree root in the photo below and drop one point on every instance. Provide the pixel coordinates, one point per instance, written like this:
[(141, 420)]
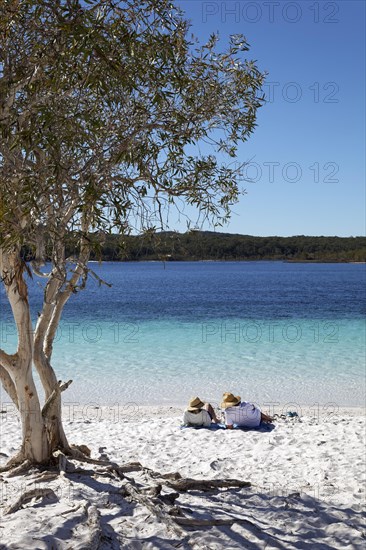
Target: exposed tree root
[(78, 453), (94, 530), (185, 485), (46, 476), (16, 460), (27, 497), (71, 510), (130, 489), (158, 493), (175, 481), (20, 469), (163, 505), (130, 467), (192, 522), (64, 465)]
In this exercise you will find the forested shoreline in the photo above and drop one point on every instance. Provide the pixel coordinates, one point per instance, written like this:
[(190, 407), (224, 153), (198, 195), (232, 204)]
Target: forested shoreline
[(206, 245)]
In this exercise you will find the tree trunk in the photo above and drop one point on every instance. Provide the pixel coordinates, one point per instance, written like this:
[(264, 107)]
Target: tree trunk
[(57, 292), (19, 366), (43, 432), (35, 445), (53, 414), (45, 331)]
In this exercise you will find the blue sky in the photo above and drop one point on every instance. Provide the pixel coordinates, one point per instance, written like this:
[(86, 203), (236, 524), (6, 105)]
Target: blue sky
[(307, 155)]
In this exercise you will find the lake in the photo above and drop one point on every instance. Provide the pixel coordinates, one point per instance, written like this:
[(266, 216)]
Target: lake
[(272, 332)]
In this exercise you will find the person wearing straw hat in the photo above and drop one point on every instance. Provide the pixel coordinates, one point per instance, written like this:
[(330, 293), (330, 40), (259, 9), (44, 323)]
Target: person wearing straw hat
[(241, 413), (199, 414)]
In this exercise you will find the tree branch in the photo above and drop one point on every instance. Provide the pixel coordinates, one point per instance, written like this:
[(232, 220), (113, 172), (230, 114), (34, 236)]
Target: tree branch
[(58, 389), (6, 360), (63, 296), (11, 272), (8, 384)]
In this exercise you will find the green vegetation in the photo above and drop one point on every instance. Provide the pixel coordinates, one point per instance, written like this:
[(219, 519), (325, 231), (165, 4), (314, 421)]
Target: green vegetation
[(206, 245)]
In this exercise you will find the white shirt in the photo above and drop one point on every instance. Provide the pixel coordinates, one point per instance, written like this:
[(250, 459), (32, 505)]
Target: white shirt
[(202, 418), (245, 414)]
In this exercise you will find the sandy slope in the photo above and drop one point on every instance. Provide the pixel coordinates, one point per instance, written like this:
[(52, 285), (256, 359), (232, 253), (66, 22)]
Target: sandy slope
[(308, 483)]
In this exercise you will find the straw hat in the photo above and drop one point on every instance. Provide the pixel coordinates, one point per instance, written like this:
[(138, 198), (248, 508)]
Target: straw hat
[(230, 400), (195, 404)]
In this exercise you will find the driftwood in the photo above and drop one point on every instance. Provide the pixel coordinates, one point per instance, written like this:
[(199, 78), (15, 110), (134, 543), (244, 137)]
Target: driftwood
[(27, 497)]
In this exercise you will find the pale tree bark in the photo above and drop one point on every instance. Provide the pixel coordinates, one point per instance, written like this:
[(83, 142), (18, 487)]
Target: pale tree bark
[(42, 428), (57, 292), (19, 366), (42, 361), (43, 431), (7, 382)]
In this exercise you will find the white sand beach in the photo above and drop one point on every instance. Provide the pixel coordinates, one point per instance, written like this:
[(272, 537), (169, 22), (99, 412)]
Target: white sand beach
[(307, 480)]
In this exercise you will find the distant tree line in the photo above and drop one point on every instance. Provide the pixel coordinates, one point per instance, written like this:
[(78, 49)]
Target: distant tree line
[(206, 245)]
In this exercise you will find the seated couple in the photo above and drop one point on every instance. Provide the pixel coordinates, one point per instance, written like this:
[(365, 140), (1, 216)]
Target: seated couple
[(235, 411)]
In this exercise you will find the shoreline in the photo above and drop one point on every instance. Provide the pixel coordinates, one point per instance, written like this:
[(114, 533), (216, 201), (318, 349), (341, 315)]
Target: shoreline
[(136, 411), (132, 410), (226, 260)]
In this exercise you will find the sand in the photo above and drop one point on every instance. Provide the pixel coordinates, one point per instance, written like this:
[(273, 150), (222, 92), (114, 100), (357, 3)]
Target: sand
[(307, 476)]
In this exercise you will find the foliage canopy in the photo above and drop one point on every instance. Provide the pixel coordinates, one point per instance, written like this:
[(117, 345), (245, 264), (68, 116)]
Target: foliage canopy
[(104, 105)]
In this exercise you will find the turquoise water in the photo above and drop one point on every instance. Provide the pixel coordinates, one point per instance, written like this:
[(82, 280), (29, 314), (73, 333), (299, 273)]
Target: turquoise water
[(272, 332)]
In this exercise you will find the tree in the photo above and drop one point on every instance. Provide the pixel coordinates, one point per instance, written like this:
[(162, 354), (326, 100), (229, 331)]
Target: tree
[(103, 106)]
